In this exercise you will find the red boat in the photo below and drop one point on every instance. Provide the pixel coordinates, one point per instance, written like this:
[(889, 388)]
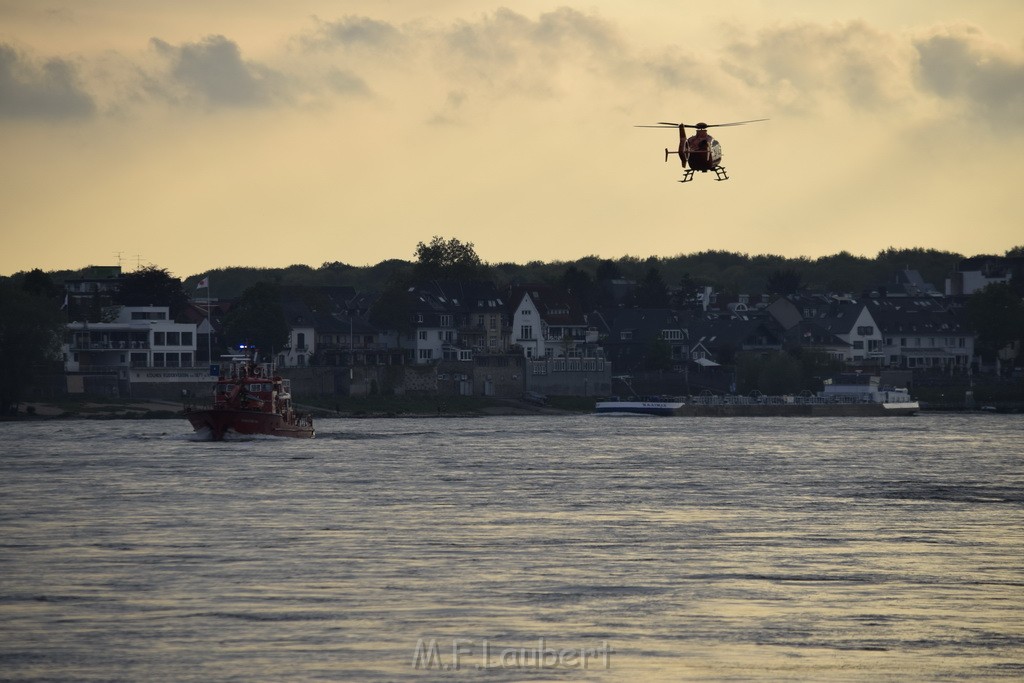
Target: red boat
[(250, 399)]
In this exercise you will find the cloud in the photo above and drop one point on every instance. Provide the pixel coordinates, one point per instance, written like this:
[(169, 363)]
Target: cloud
[(50, 91), (509, 44), (213, 71), (345, 82), (354, 32), (800, 66), (959, 64)]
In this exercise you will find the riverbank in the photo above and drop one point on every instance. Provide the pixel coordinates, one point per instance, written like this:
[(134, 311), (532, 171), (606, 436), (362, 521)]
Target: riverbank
[(379, 407), (347, 407)]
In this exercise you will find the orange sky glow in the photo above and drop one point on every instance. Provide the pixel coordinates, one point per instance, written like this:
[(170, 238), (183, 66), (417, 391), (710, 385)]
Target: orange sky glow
[(194, 135)]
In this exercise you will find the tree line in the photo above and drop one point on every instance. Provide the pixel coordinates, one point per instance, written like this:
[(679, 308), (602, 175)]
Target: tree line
[(32, 318)]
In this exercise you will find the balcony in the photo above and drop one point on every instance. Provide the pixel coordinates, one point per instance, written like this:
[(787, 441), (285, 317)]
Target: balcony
[(82, 345)]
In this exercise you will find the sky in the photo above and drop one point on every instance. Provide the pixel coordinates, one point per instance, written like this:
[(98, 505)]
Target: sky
[(194, 135)]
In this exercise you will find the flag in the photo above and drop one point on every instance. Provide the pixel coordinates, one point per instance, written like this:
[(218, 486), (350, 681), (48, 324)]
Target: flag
[(65, 305), (205, 282)]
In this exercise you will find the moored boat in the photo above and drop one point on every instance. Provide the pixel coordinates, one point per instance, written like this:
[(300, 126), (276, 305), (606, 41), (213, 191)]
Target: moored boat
[(853, 395), (249, 398), (651, 405)]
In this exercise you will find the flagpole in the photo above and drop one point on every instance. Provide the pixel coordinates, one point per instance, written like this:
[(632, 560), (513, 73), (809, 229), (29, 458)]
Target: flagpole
[(205, 282), (209, 323)]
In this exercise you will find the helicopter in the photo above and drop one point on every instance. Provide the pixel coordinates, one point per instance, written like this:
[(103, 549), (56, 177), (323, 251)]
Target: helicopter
[(701, 151)]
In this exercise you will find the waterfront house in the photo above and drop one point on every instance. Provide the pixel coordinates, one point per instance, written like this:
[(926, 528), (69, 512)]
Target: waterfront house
[(548, 322), (138, 343)]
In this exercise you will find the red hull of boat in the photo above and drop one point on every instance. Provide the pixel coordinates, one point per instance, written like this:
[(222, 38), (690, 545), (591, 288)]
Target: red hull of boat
[(220, 421)]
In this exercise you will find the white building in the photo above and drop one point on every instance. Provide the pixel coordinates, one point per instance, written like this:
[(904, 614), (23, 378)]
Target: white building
[(138, 337), (547, 323)]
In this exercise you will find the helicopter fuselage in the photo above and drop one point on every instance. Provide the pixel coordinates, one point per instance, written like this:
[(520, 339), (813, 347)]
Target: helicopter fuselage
[(700, 152)]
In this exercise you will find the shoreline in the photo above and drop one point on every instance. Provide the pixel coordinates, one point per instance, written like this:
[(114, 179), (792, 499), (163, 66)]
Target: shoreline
[(42, 411), (166, 410)]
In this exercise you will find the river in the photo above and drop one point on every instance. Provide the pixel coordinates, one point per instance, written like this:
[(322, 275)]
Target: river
[(563, 548)]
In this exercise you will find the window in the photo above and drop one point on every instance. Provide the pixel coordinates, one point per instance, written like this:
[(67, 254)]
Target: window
[(858, 345), (159, 339), (526, 332), (158, 360), (446, 321), (426, 354), (626, 335), (186, 339), (865, 330), (423, 335), (300, 341), (672, 335), (174, 339)]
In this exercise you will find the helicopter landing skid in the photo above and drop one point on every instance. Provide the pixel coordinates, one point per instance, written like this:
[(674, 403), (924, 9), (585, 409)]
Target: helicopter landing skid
[(719, 171)]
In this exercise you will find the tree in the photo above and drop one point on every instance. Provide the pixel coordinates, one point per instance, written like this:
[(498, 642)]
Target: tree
[(38, 283), (784, 282), (651, 292), (31, 329), (997, 314), (658, 355), (393, 309), (686, 297), (579, 283), (258, 319), (772, 374), (448, 260), (815, 367), (152, 286), (607, 270)]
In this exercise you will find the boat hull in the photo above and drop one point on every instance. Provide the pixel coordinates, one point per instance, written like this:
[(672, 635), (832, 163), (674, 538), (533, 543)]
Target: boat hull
[(760, 409), (663, 408), (221, 421)]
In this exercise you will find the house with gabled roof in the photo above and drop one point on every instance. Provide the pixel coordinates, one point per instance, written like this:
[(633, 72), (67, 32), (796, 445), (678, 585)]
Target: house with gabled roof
[(841, 324), (453, 320), (301, 344), (548, 322), (852, 323), (923, 333)]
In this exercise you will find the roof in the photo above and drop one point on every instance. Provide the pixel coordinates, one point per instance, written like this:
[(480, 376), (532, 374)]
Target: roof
[(555, 305), (918, 316), (645, 323)]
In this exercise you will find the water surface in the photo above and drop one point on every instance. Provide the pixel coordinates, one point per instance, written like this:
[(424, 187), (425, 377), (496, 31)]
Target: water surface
[(628, 548)]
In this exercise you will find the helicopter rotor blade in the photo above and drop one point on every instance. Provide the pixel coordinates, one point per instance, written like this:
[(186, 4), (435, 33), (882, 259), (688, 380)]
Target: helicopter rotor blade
[(734, 123), (660, 125)]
